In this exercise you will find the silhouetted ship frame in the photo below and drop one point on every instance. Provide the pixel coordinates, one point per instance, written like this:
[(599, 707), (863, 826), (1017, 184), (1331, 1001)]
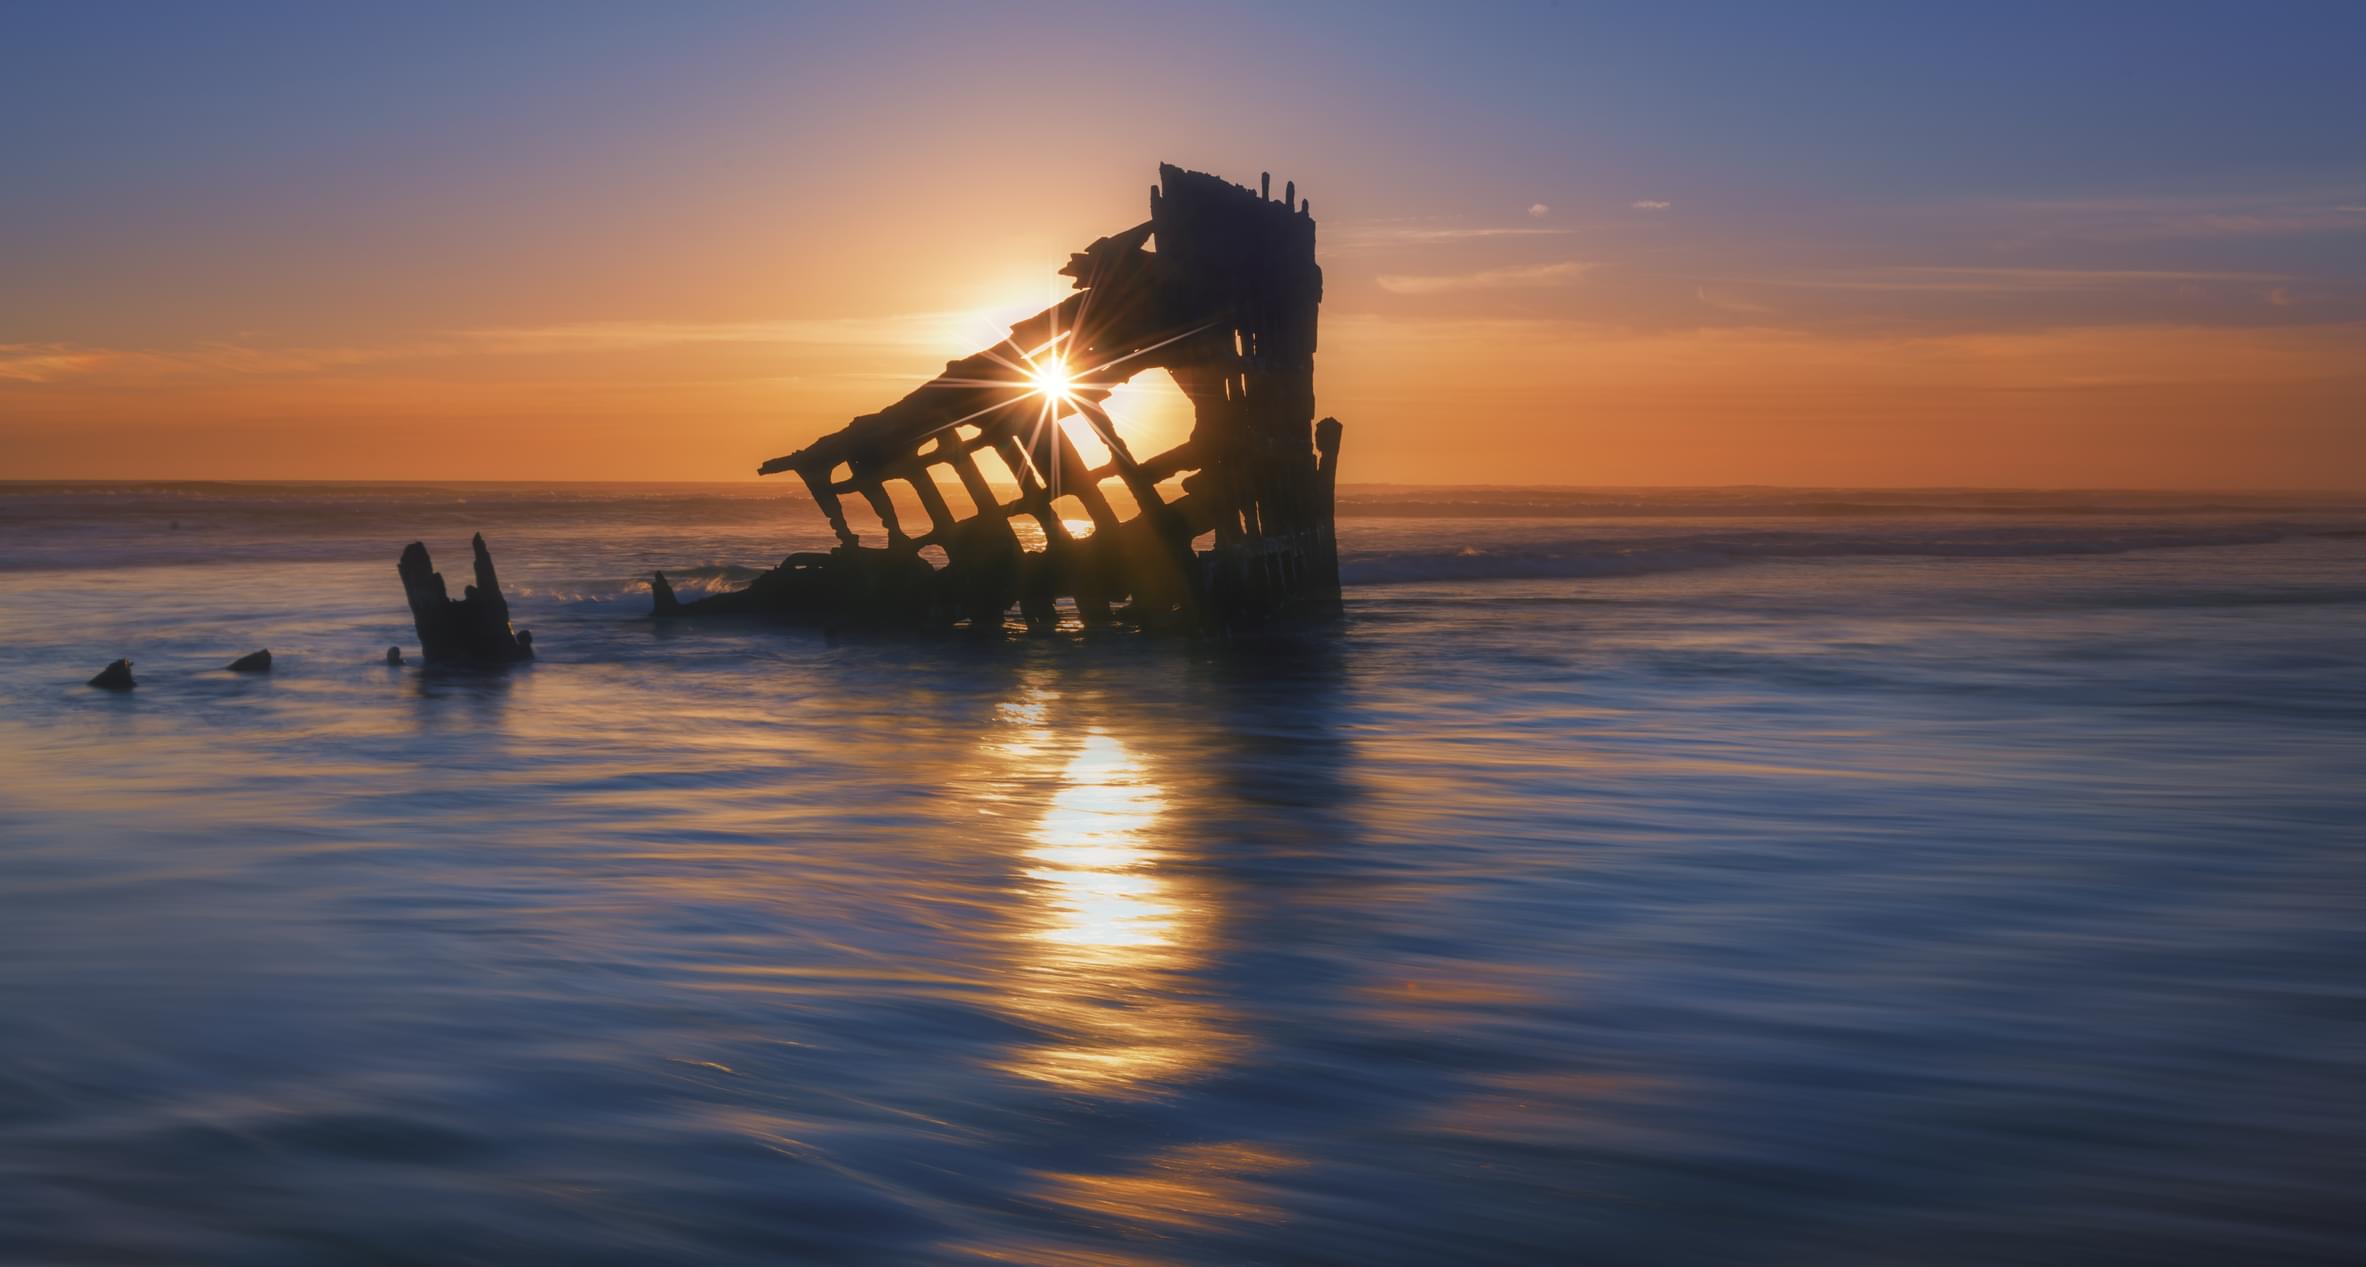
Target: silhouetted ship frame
[(1229, 530)]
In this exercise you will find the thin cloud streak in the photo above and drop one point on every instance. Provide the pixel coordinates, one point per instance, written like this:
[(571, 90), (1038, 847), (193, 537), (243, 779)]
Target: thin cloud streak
[(55, 362), (1357, 237), (49, 362), (1561, 273), (1768, 356), (1996, 280), (2179, 217), (1728, 301), (902, 330)]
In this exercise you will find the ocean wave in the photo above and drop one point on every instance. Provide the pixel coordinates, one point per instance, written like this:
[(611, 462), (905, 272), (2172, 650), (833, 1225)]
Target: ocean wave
[(1385, 501), (1563, 556), (1577, 557), (717, 537)]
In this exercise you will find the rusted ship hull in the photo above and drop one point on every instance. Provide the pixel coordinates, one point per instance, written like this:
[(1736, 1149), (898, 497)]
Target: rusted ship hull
[(1230, 529)]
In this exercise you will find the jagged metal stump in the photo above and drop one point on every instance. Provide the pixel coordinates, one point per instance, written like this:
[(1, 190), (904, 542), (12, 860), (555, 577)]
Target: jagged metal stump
[(115, 677), (473, 629)]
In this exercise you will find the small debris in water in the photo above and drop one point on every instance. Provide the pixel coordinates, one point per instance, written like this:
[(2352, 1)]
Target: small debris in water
[(115, 677)]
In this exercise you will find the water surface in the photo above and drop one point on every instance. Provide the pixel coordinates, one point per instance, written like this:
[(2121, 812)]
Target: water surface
[(1637, 877)]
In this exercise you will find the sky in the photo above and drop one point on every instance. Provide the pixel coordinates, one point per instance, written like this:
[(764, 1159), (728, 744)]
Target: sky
[(2094, 245)]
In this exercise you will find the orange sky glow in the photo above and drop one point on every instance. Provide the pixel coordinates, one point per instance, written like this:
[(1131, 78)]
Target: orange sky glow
[(659, 272)]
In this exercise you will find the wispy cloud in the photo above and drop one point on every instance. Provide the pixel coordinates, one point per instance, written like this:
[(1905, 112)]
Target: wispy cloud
[(901, 330), (1730, 301), (250, 357), (1775, 358), (2172, 217), (54, 362), (1994, 280), (1651, 204), (1353, 237), (49, 362), (1531, 276)]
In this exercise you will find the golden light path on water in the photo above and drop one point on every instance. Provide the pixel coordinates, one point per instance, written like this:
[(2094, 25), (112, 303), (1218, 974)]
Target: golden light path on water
[(1108, 932), (1113, 935)]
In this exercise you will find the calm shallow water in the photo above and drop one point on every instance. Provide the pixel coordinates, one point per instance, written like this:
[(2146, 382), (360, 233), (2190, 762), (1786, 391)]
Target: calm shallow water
[(1638, 878)]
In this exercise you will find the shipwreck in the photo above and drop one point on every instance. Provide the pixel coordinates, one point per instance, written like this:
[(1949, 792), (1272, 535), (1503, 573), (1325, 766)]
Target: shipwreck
[(1228, 530), (472, 629)]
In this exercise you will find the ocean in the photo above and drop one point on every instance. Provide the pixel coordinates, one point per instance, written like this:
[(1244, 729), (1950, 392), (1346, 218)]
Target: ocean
[(1634, 877)]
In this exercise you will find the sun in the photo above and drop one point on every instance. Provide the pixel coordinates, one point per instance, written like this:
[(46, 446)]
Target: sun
[(1050, 377)]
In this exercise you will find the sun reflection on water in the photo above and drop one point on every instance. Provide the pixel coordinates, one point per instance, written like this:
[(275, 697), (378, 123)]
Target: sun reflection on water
[(1094, 855), (1110, 932)]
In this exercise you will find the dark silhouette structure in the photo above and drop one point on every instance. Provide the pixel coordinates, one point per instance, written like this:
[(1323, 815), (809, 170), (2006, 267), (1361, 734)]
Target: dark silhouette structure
[(115, 677), (1230, 529), (473, 629), (252, 662)]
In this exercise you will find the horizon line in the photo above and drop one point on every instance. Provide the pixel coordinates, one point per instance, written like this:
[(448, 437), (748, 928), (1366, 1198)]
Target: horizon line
[(792, 487)]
